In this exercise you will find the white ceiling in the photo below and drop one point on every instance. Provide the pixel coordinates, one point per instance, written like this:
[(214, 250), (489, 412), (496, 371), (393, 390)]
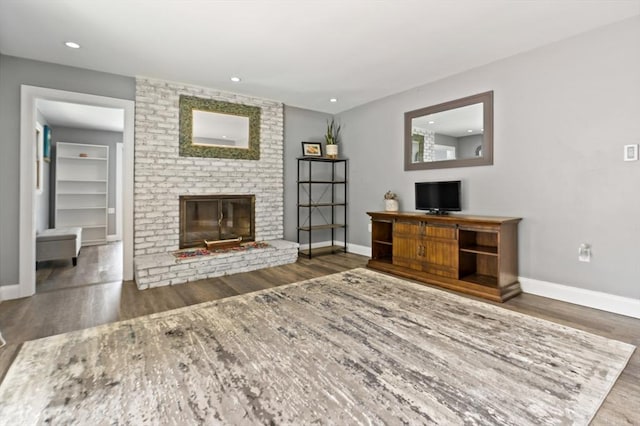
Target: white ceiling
[(300, 52), (81, 116)]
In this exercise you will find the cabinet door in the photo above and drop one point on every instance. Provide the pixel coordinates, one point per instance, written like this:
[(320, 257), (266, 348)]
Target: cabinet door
[(406, 241), (440, 251)]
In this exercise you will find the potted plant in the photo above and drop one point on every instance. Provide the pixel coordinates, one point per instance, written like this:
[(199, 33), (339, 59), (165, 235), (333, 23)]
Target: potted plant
[(390, 202), (332, 137)]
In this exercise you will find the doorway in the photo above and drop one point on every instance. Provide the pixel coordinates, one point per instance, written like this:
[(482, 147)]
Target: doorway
[(79, 189), (30, 96)]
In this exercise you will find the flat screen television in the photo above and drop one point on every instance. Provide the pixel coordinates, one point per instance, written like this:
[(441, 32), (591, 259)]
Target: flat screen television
[(438, 197)]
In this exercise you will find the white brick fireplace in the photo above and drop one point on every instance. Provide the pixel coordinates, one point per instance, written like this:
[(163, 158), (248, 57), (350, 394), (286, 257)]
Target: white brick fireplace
[(162, 176)]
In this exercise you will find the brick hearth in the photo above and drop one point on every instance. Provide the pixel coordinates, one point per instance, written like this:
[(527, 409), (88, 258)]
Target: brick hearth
[(155, 270)]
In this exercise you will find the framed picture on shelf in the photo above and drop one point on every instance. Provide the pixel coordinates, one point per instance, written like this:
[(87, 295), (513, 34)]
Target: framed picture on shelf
[(311, 149)]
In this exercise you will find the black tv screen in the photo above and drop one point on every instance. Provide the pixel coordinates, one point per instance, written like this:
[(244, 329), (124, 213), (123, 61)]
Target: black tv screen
[(438, 197)]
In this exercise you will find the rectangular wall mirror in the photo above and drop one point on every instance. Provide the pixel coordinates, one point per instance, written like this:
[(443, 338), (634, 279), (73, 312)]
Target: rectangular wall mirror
[(458, 133), (218, 129)]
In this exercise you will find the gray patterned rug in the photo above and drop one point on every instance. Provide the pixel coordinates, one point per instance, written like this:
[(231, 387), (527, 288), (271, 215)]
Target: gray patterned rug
[(357, 347)]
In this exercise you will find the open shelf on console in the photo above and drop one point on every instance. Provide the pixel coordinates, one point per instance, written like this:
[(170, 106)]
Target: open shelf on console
[(486, 280), (488, 250), (479, 268), (478, 256), (476, 241), (382, 240)]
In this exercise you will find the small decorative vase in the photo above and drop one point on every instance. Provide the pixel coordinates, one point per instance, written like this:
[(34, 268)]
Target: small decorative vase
[(391, 205), (332, 151)]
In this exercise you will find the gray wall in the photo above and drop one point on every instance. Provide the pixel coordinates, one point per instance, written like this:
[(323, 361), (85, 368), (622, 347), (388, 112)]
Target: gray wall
[(14, 72), (562, 116), (467, 145), (446, 140), (299, 125), (93, 137)]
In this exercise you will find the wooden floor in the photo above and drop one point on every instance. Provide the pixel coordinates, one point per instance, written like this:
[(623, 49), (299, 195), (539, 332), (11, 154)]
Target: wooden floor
[(96, 264), (68, 309)]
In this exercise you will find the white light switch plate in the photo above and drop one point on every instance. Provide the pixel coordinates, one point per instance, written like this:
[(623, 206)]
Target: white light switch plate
[(584, 253), (631, 152)]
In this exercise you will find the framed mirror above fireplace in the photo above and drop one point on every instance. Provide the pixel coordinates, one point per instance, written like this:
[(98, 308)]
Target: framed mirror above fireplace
[(216, 218), (218, 129)]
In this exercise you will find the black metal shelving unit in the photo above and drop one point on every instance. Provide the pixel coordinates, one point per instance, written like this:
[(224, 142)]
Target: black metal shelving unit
[(323, 204)]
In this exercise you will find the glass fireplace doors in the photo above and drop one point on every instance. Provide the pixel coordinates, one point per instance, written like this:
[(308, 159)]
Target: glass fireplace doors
[(215, 218)]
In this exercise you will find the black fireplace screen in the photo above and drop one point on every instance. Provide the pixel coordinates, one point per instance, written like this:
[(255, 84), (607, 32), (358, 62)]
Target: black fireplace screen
[(215, 218)]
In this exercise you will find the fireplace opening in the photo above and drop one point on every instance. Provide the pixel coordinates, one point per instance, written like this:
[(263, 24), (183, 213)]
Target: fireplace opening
[(216, 218)]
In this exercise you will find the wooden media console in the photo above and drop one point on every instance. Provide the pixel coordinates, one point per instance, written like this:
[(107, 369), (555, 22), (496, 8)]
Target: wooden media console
[(476, 255)]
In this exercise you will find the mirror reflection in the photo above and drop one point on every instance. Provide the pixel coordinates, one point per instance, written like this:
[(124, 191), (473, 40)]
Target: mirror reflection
[(215, 129), (448, 135), (458, 133)]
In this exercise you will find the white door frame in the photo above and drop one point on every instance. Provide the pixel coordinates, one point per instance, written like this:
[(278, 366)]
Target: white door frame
[(27, 233), (119, 187)]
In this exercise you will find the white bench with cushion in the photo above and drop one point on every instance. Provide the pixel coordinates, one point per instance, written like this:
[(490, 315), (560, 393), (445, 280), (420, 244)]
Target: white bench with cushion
[(59, 243)]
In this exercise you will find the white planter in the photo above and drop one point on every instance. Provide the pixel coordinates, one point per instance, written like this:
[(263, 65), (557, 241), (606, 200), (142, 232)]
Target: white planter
[(391, 205), (332, 151)]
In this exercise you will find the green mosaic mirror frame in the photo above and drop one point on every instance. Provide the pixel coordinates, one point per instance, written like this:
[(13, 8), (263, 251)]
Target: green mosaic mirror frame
[(188, 149)]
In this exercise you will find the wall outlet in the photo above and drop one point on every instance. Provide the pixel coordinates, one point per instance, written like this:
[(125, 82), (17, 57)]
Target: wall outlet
[(369, 227), (111, 210), (584, 252)]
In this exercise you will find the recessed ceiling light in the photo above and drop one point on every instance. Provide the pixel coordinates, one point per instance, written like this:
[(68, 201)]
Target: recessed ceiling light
[(72, 44), (431, 122), (333, 100), (235, 79), (470, 131)]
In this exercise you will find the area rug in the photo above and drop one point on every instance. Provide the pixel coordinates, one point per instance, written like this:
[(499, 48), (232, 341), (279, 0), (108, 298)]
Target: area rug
[(357, 347)]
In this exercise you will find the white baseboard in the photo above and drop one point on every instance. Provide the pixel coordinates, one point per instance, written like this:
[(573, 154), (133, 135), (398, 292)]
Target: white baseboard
[(351, 248), (361, 250), (9, 292), (579, 296), (592, 299)]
